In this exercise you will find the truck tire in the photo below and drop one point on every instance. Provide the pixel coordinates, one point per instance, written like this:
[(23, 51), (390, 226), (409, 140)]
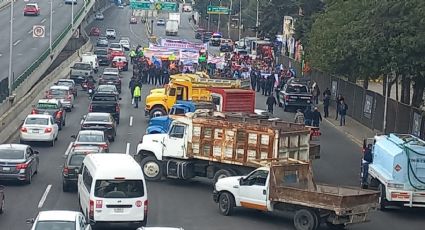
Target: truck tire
[(226, 203), (306, 219), (222, 173), (157, 111), (152, 168), (383, 203)]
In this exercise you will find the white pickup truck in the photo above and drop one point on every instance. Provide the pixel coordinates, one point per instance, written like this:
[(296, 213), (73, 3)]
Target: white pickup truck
[(289, 186)]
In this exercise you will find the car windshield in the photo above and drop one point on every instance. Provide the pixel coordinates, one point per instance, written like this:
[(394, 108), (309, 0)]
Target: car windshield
[(110, 77), (296, 89), (11, 154), (47, 106), (101, 118), (115, 45), (76, 159), (57, 92), (37, 121), (101, 52), (65, 83), (55, 225), (31, 6), (90, 138), (104, 98), (106, 88), (83, 66), (216, 36), (119, 188)]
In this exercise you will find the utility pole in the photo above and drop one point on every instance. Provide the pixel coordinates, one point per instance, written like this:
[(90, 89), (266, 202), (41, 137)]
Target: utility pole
[(10, 78), (72, 16), (240, 20), (51, 26), (230, 17), (384, 125), (257, 24), (218, 24)]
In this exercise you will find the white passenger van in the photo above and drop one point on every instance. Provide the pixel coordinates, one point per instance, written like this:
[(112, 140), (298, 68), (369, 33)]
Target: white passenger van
[(112, 190)]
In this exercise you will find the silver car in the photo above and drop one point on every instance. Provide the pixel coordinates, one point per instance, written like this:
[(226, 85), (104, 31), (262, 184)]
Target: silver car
[(91, 138), (99, 16), (18, 162)]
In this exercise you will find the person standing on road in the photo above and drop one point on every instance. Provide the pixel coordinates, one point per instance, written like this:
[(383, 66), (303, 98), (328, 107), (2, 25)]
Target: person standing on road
[(299, 117), (253, 80), (308, 116), (131, 85), (339, 98), (136, 96), (326, 102), (271, 102), (316, 93), (317, 117), (342, 112)]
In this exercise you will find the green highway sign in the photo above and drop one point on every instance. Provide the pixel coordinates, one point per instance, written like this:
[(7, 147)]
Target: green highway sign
[(217, 10), (166, 6), (140, 5)]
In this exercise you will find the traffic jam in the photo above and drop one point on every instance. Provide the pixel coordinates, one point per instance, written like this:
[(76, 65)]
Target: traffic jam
[(202, 122)]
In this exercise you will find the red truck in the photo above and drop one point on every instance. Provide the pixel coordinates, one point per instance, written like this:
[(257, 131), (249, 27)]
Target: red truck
[(233, 100)]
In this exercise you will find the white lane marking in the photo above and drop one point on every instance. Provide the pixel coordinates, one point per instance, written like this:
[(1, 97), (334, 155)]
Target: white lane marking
[(127, 149), (53, 11), (44, 197), (42, 21), (131, 121), (17, 42), (1, 55), (30, 31), (69, 148)]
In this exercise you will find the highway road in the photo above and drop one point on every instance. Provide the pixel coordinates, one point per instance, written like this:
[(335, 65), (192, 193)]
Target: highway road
[(176, 203), (27, 49)]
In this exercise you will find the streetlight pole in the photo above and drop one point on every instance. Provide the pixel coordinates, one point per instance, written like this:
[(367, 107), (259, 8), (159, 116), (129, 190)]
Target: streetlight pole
[(240, 19), (51, 26), (72, 16), (218, 24), (230, 16), (10, 76), (256, 24)]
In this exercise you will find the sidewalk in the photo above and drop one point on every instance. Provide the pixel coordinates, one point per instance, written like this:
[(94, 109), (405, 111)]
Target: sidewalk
[(353, 129)]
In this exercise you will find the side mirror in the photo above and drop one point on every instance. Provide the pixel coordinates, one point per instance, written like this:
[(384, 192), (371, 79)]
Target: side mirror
[(36, 152), (55, 83), (30, 221), (73, 136)]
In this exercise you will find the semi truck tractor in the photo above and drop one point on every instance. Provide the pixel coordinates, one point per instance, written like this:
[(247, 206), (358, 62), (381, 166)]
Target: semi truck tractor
[(288, 185), (216, 145), (397, 170)]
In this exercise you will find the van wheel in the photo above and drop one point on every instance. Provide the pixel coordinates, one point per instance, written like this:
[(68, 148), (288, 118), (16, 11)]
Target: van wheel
[(383, 203), (306, 219), (226, 203), (222, 173), (152, 168)]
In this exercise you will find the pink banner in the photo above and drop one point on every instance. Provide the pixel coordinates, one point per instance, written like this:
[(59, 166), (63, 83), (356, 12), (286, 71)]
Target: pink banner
[(179, 44)]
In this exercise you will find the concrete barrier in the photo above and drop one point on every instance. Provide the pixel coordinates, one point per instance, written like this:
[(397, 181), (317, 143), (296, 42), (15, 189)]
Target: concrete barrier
[(12, 119)]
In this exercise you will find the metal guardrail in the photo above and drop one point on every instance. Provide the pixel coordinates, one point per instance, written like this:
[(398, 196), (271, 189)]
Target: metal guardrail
[(28, 71)]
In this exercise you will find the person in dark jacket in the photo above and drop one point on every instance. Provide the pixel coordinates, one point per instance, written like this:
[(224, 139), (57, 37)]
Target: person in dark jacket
[(271, 102), (308, 116), (343, 107), (366, 160), (326, 102), (317, 117), (165, 76), (339, 98), (258, 78), (253, 80), (131, 85)]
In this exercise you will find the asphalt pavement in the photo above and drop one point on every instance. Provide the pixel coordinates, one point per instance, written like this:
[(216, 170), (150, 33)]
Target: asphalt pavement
[(27, 49), (186, 204)]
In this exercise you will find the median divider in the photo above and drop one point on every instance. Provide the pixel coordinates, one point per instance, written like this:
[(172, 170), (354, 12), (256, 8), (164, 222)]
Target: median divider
[(13, 119)]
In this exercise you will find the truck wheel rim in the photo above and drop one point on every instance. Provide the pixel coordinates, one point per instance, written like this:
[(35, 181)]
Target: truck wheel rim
[(157, 114), (151, 169), (224, 203), (303, 221)]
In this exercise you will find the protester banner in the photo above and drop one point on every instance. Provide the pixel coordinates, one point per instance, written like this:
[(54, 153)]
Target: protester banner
[(169, 43), (188, 57)]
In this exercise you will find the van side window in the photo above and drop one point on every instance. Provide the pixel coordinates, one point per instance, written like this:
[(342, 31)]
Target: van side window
[(87, 178)]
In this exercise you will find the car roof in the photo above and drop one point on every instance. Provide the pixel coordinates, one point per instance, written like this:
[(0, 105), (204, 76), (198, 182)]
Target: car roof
[(57, 215), (38, 116), (88, 132), (60, 87), (14, 146), (31, 4), (55, 101), (98, 114), (67, 80)]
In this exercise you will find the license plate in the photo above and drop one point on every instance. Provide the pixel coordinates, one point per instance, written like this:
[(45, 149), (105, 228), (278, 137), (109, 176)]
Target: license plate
[(6, 169), (110, 82), (118, 210), (35, 131)]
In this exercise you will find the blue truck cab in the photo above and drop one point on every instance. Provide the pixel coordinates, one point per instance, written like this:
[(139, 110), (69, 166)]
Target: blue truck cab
[(398, 170)]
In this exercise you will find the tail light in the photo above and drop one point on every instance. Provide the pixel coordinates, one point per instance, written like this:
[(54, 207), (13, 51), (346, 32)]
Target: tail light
[(21, 166), (104, 146), (145, 208), (91, 210), (90, 108), (24, 130), (117, 108), (65, 171), (33, 111), (99, 203), (48, 130)]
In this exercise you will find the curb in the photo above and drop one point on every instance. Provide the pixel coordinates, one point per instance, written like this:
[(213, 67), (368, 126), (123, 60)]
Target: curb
[(348, 134)]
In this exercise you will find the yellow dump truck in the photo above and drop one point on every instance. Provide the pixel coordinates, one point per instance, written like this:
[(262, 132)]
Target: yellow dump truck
[(186, 87)]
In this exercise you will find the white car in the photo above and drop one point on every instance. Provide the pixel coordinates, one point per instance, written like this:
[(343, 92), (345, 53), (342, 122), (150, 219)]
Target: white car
[(68, 220), (99, 16), (39, 127), (116, 46), (125, 44), (111, 34)]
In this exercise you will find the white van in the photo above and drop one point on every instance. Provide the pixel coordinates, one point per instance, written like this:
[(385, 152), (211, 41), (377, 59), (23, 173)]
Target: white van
[(112, 190), (92, 59)]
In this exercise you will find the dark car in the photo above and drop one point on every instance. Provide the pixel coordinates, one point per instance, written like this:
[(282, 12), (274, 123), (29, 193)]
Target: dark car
[(18, 162), (106, 103), (102, 42), (107, 89), (294, 95), (74, 159), (100, 121), (199, 32), (102, 56), (52, 107), (206, 37), (110, 79)]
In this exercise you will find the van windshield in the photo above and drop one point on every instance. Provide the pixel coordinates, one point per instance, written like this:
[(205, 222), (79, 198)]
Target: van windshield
[(119, 189)]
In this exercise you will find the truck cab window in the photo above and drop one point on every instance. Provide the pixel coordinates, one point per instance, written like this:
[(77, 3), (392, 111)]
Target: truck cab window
[(172, 92), (180, 93), (258, 177), (177, 131)]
